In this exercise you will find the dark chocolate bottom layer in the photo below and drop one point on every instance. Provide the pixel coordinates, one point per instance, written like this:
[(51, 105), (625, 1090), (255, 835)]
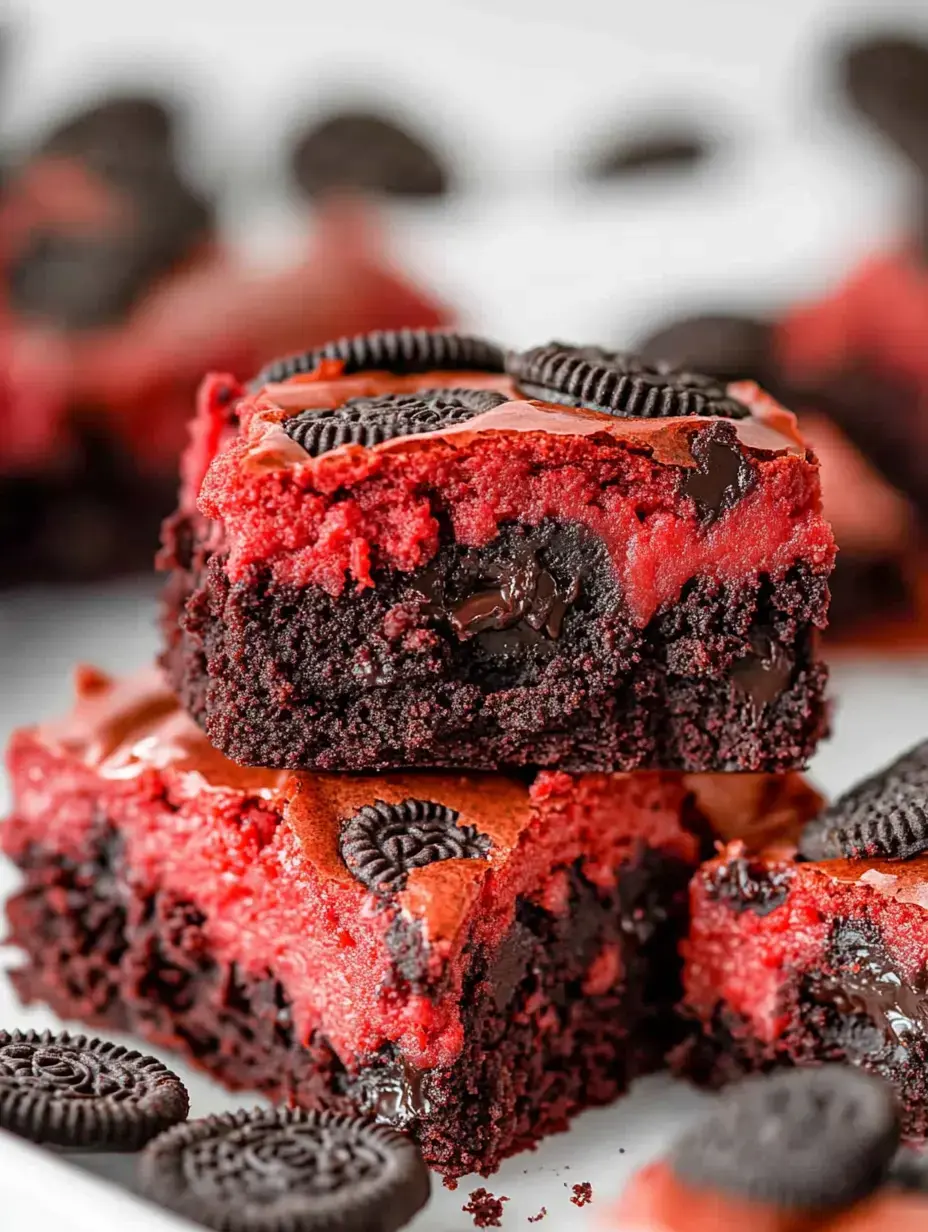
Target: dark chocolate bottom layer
[(518, 653), (539, 1047), (857, 1010), (94, 518)]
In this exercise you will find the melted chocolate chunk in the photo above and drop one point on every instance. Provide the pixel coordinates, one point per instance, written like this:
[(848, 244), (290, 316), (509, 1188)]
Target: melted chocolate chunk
[(383, 843), (518, 595), (802, 1140), (370, 421), (865, 981), (884, 817), (617, 383), (763, 674), (749, 885), (360, 151), (82, 1093), (400, 351), (287, 1168), (723, 473)]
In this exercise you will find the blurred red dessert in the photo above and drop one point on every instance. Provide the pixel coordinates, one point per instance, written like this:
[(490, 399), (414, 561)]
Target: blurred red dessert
[(116, 295)]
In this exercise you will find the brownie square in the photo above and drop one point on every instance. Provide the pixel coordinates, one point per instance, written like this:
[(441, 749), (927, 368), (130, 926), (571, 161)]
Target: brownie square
[(407, 549)]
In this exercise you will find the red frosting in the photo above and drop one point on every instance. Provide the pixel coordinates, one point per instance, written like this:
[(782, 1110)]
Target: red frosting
[(331, 520)]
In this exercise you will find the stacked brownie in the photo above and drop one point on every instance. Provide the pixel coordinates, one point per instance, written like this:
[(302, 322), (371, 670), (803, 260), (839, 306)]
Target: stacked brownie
[(470, 658)]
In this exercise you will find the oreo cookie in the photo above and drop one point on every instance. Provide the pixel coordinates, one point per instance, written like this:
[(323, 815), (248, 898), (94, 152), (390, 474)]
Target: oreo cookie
[(383, 843), (370, 421), (126, 127), (361, 151), (287, 1169), (800, 1140), (884, 817), (85, 1094), (667, 148), (400, 351), (724, 347), (885, 77), (617, 383)]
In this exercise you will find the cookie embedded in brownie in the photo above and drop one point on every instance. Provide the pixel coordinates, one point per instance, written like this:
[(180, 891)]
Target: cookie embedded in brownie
[(812, 948), (510, 944), (417, 551)]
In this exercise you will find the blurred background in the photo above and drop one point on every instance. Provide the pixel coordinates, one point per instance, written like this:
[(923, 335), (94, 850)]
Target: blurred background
[(204, 184)]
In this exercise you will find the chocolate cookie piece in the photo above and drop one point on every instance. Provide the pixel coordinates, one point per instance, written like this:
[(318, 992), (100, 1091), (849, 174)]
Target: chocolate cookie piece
[(802, 1140), (383, 843), (884, 817), (650, 148), (885, 77), (724, 346), (287, 1169), (71, 1091), (359, 151), (617, 383), (400, 351), (370, 421), (125, 126)]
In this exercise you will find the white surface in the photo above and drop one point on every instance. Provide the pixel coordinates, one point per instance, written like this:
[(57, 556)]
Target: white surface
[(511, 88)]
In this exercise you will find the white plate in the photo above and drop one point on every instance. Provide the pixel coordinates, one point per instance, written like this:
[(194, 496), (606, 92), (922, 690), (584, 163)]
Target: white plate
[(882, 708)]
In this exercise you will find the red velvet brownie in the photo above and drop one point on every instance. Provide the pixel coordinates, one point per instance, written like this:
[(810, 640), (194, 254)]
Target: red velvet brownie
[(473, 958), (406, 549), (814, 948)]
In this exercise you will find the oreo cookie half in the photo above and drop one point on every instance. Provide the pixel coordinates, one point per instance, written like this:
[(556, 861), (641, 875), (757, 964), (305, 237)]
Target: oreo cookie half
[(130, 127), (884, 817), (360, 151), (370, 421), (617, 383), (885, 76), (383, 843), (800, 1140), (71, 1091), (725, 347), (287, 1169), (400, 351)]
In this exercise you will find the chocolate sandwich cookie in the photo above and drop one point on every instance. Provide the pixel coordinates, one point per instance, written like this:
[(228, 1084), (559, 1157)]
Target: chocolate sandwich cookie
[(286, 1170), (362, 151), (84, 1094)]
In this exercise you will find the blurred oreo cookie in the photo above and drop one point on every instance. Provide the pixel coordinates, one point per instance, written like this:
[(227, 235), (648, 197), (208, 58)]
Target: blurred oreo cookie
[(884, 75)]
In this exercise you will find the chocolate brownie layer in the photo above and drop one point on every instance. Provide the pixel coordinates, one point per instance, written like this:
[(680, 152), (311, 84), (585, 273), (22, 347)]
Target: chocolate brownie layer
[(514, 653), (98, 951)]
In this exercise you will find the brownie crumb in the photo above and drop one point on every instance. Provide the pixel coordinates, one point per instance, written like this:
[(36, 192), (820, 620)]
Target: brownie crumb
[(582, 1194), (539, 1217), (486, 1208)]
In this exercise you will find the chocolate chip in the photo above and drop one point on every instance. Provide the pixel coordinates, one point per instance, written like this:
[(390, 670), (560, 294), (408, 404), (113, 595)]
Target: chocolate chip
[(369, 153), (763, 673), (370, 421), (400, 351), (802, 1140), (749, 885), (287, 1169), (71, 1091), (383, 843), (723, 473), (884, 817), (617, 383)]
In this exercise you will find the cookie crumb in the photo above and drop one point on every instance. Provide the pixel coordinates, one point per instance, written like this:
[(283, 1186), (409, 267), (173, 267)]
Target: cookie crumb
[(582, 1194), (450, 1182), (486, 1208), (539, 1217)]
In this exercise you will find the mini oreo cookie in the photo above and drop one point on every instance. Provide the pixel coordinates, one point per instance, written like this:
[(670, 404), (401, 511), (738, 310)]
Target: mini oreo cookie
[(360, 151), (287, 1169), (383, 843), (399, 351), (85, 1094), (800, 1140), (370, 421), (884, 817), (617, 383)]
